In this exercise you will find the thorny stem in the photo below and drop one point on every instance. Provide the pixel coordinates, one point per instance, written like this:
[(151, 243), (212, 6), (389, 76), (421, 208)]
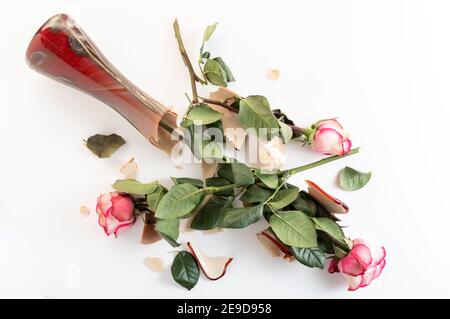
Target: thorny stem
[(194, 78)]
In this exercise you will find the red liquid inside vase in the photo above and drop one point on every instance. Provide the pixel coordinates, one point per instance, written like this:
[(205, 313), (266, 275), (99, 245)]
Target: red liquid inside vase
[(62, 51)]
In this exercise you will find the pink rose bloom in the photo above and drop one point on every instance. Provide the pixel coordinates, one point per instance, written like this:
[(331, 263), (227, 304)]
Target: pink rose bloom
[(361, 265), (115, 212), (330, 138)]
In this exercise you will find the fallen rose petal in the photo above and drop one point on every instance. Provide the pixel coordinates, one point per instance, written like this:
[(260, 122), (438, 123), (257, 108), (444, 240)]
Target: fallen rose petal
[(273, 74), (270, 236), (154, 263), (332, 204), (129, 170), (84, 210), (213, 268), (273, 249), (149, 235)]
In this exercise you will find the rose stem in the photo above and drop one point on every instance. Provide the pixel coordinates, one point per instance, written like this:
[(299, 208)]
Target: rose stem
[(187, 62), (323, 161)]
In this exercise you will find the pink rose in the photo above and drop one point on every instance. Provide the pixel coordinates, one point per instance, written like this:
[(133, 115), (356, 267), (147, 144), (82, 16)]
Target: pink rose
[(361, 265), (115, 212), (330, 138)]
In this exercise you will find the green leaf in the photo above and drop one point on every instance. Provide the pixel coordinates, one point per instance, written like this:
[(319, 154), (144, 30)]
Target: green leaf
[(154, 198), (201, 144), (311, 257), (214, 131), (104, 145), (217, 182), (325, 244), (185, 270), (212, 149), (255, 194), (209, 216), (330, 227), (215, 74), (186, 123), (304, 204), (132, 186), (255, 112), (209, 32), (240, 217), (286, 132), (236, 173), (226, 68), (294, 228), (284, 197), (351, 180), (270, 180), (194, 181), (179, 201), (204, 114), (169, 229)]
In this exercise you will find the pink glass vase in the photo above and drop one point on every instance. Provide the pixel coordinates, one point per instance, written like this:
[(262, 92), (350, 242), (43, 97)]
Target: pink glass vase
[(63, 52)]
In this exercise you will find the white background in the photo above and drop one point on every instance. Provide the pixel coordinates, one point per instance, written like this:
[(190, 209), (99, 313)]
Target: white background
[(382, 67)]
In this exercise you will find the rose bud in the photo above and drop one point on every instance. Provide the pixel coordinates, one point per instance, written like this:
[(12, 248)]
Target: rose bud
[(361, 265), (115, 212), (330, 138)]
